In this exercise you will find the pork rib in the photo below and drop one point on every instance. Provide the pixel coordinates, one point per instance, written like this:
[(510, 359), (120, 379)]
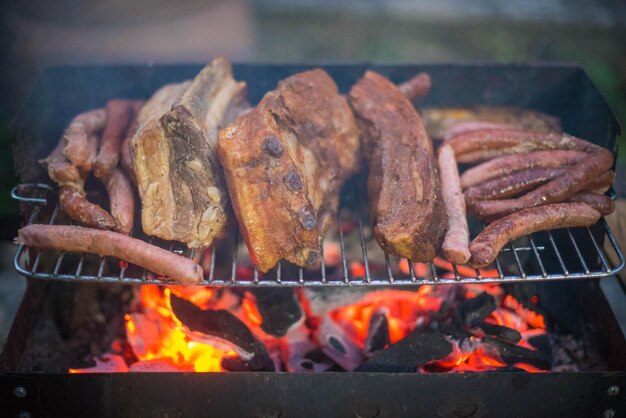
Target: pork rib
[(179, 179), (285, 162), (403, 184)]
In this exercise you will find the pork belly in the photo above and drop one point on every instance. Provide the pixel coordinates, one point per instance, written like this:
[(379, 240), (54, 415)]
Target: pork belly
[(285, 162), (403, 183), (179, 179)]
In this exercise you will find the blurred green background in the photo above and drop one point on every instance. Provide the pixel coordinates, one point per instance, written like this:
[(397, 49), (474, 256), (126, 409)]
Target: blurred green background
[(38, 33)]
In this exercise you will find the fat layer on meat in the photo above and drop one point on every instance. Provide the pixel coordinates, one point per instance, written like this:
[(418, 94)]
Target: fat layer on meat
[(403, 184), (285, 162), (179, 179)]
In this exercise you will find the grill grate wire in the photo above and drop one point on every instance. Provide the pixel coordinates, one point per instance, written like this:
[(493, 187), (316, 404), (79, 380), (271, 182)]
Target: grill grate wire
[(530, 261)]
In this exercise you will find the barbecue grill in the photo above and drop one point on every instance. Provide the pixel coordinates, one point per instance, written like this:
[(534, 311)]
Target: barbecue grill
[(569, 254), (543, 262)]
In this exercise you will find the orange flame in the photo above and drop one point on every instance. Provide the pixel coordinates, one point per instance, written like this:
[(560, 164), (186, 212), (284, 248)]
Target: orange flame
[(157, 334)]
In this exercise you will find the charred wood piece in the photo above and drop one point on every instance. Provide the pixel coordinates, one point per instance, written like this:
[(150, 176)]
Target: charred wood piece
[(500, 331), (377, 334), (473, 311), (408, 354), (512, 353), (279, 308), (224, 325)]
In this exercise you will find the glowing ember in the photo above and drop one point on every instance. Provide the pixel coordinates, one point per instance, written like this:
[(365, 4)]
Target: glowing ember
[(160, 342)]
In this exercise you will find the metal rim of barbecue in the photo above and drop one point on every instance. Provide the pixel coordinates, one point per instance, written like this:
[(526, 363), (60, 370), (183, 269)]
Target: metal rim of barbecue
[(532, 269)]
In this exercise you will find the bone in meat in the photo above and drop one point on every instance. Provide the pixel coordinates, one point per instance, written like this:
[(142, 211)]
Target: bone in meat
[(285, 162)]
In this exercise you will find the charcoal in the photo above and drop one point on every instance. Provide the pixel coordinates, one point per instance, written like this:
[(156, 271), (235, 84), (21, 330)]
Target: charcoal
[(377, 334), (541, 342), (222, 324), (408, 354), (500, 331), (279, 308), (474, 311), (511, 353)]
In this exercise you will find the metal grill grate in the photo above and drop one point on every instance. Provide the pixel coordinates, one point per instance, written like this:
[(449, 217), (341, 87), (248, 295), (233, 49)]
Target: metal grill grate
[(351, 257)]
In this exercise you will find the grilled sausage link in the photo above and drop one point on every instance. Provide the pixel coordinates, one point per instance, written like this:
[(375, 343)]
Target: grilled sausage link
[(513, 184), (76, 137), (455, 245), (476, 146), (560, 189), (510, 163), (599, 202), (489, 242), (60, 169), (121, 201), (416, 87), (74, 203), (119, 114), (112, 244)]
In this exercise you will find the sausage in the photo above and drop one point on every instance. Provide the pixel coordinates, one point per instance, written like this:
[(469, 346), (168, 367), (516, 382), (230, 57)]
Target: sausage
[(417, 87), (121, 201), (60, 169), (471, 126), (509, 163), (112, 244), (73, 202), (126, 158), (456, 241), (513, 184), (76, 137), (602, 183), (599, 202), (119, 114), (475, 146), (560, 189), (489, 242)]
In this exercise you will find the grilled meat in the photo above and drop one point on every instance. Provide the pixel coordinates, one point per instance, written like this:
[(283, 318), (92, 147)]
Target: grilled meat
[(285, 162), (403, 184), (179, 179), (439, 120)]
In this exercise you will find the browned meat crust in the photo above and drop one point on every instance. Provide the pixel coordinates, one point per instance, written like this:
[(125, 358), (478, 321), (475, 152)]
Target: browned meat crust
[(513, 184), (490, 241), (403, 184), (121, 200), (455, 245), (509, 163), (440, 120), (285, 162), (119, 114), (107, 243), (76, 138), (74, 203)]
